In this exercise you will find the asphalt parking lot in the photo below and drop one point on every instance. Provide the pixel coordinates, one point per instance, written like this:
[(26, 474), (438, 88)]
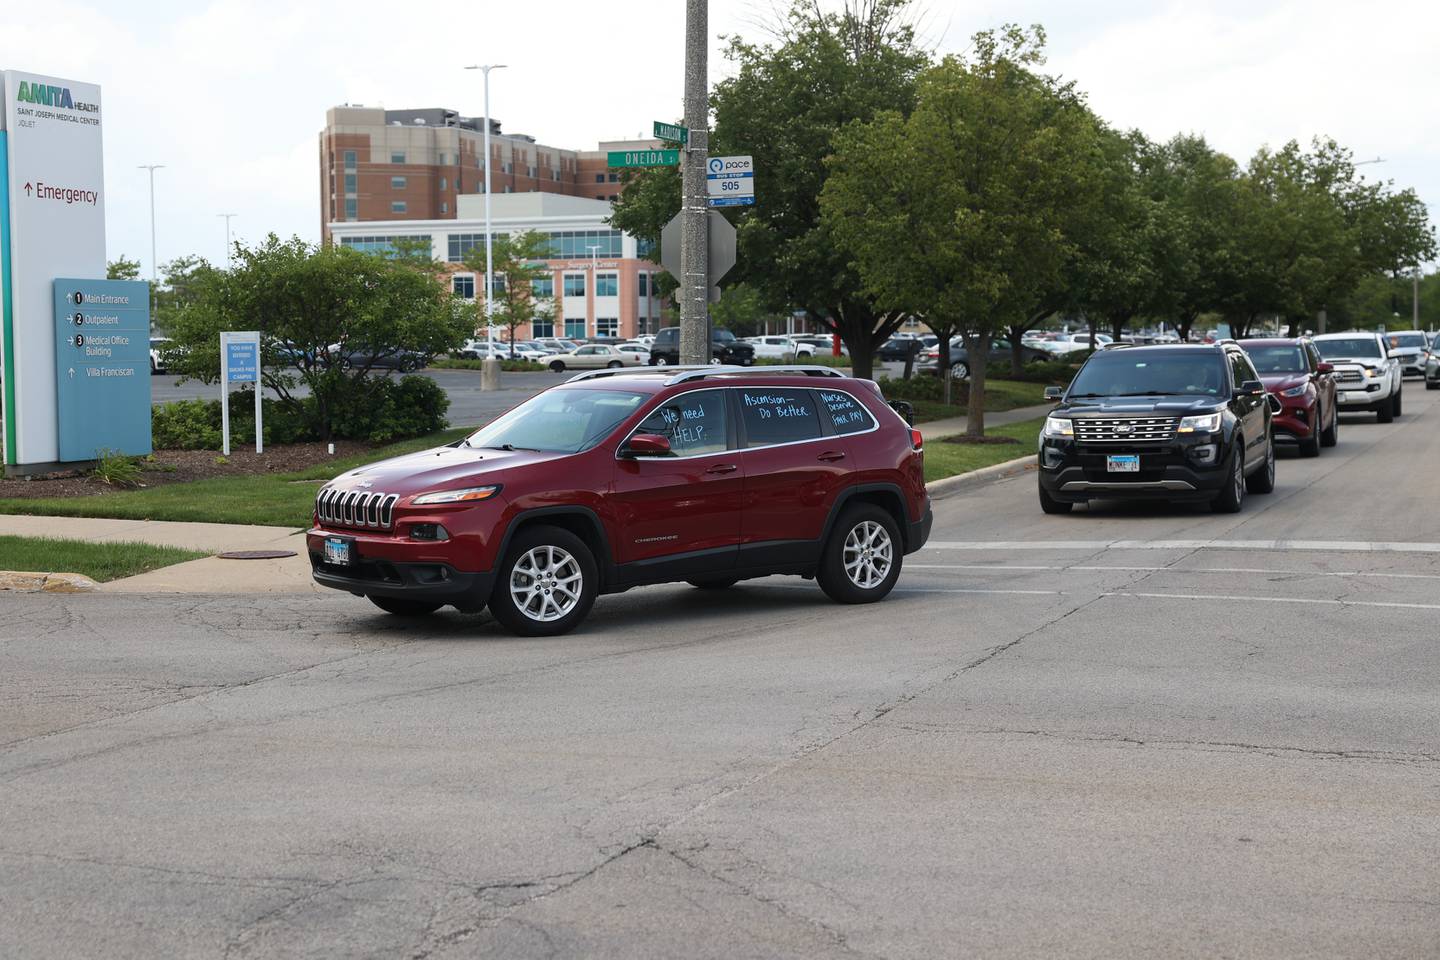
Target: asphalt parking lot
[(1133, 731)]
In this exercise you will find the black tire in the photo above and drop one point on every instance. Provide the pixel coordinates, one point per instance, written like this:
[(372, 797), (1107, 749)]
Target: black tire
[(660, 361), (613, 364), (1398, 395), (401, 607), (558, 366), (873, 529), (959, 370), (1263, 480), (1310, 447), (1232, 497), (1331, 434), (718, 583), (1432, 385), (516, 573), (1050, 505), (1385, 413)]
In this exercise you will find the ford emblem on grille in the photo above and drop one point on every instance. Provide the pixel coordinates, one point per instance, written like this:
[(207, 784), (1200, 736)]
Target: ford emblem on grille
[(1123, 428)]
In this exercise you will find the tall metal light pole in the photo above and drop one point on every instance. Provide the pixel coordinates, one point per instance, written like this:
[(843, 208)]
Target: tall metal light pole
[(154, 263), (226, 217), (694, 207), (594, 286), (488, 375)]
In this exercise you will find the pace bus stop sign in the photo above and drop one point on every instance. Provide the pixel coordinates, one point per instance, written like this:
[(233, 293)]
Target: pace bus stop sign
[(730, 181), (721, 258), (102, 367)]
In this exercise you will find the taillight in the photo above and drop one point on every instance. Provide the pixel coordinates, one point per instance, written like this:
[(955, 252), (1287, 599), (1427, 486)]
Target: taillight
[(917, 442)]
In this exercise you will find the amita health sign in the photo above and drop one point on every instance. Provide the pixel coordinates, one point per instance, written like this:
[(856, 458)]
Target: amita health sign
[(52, 224)]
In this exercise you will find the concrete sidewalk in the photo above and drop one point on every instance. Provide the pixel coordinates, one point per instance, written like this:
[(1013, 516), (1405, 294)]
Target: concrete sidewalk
[(207, 575), (954, 426)]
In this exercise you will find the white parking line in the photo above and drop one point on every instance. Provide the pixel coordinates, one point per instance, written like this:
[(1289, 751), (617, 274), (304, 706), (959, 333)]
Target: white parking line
[(1328, 546), (1300, 600), (1081, 568)]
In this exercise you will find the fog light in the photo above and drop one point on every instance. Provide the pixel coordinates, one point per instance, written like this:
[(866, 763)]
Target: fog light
[(1205, 453), (429, 531)]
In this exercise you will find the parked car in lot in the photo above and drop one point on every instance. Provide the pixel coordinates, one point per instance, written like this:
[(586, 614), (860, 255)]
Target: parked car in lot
[(159, 347), (612, 480), (1304, 384), (1178, 423), (1432, 367), (775, 347), (592, 356), (402, 361), (1410, 347), (556, 344), (822, 345), (1366, 376), (639, 349), (479, 349), (725, 348), (960, 357), (900, 349)]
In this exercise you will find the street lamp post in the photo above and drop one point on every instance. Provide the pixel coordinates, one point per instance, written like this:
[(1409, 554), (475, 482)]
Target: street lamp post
[(154, 264), (488, 374), (226, 217), (594, 287)]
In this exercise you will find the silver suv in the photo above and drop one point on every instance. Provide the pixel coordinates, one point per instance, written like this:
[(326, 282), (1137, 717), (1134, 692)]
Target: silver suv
[(1367, 374)]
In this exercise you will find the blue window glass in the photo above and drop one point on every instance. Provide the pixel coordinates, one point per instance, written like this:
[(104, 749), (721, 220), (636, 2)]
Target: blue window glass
[(350, 183), (575, 328), (463, 285), (543, 287), (574, 286), (607, 285), (542, 328), (349, 159), (351, 209)]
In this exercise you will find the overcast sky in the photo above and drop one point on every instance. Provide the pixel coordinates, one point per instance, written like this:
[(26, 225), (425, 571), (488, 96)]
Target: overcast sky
[(231, 94)]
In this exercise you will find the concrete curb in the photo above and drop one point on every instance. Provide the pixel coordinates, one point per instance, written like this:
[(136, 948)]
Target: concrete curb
[(996, 471), (25, 582)]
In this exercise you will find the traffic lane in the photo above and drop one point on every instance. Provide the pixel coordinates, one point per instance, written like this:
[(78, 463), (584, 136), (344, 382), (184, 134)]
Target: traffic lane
[(450, 775), (1377, 484)]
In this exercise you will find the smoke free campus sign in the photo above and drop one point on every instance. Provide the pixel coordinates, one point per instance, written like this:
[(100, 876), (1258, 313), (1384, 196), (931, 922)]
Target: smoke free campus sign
[(52, 212)]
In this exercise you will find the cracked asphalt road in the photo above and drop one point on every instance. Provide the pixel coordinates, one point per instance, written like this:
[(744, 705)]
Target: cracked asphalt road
[(1052, 748)]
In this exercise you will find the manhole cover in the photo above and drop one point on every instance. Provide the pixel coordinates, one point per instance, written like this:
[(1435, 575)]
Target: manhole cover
[(256, 554)]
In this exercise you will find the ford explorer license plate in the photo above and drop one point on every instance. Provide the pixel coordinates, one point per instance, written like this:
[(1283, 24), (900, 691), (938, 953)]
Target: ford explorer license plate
[(337, 551), (1123, 463)]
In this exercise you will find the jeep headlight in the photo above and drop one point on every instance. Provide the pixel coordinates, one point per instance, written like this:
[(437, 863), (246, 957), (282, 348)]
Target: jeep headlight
[(1206, 423), (465, 495), (1059, 427)]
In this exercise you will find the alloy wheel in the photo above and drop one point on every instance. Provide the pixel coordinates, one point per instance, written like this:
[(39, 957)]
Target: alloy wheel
[(546, 583), (868, 555)]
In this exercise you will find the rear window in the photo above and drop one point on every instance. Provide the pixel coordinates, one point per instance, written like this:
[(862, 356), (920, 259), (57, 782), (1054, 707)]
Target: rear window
[(846, 413), (778, 415)]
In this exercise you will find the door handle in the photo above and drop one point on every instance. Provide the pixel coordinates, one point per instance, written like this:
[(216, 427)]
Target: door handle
[(830, 456), (722, 468)]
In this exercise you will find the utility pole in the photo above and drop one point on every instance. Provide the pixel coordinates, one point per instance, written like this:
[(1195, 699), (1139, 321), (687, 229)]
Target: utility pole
[(490, 366), (226, 217), (1415, 300), (694, 238), (154, 263), (594, 318)]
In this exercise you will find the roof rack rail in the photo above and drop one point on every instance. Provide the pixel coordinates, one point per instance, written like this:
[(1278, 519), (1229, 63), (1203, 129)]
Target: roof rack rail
[(699, 373), (631, 371)]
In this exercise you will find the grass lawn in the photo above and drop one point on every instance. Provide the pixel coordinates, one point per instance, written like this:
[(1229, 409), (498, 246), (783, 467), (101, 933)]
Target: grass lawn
[(98, 561), (282, 500), (999, 395), (947, 459)]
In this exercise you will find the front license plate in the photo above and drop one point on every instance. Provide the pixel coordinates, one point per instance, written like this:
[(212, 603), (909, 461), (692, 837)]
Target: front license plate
[(1123, 463), (337, 551)]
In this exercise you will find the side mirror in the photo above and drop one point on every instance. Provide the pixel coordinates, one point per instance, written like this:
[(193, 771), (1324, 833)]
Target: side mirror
[(1053, 393), (647, 445), (1274, 403), (1251, 388), (1324, 367)]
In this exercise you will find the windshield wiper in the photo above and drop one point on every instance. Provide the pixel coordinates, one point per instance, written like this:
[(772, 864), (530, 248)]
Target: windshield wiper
[(507, 447)]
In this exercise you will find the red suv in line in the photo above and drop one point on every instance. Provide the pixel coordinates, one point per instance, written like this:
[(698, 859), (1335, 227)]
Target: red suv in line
[(1304, 383), (619, 478)]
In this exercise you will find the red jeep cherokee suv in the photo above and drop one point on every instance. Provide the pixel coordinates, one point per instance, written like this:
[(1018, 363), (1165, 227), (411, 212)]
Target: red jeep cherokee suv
[(619, 478)]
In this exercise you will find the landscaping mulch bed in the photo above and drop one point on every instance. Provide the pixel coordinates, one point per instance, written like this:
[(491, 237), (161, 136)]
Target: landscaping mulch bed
[(961, 438), (183, 466)]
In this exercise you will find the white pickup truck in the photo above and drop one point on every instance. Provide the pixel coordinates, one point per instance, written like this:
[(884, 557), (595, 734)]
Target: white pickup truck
[(1367, 374)]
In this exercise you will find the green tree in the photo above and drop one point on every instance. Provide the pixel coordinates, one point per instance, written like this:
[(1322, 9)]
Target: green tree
[(515, 267), (958, 211), (123, 269), (784, 104), (180, 281), (327, 315)]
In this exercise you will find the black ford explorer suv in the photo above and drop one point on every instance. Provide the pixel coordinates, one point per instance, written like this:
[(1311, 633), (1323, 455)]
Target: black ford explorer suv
[(1177, 422)]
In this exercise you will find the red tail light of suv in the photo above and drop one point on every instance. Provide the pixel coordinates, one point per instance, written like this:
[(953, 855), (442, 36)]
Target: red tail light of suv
[(621, 478)]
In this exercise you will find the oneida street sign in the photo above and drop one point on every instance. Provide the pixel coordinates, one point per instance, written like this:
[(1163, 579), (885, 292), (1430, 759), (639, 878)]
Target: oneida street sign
[(672, 132), (643, 158)]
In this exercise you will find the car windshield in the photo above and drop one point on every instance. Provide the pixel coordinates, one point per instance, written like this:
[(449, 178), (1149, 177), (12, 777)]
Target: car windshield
[(1136, 373), (723, 336), (1279, 358), (564, 420), (1347, 347), (1409, 340)]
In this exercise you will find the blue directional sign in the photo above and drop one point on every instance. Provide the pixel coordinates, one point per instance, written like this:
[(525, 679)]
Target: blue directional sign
[(242, 361), (102, 367)]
